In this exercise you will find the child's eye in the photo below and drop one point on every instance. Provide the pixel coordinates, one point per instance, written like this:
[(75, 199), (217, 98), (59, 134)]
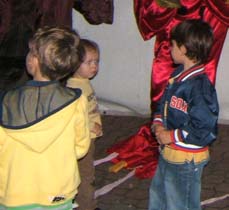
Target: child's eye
[(90, 62)]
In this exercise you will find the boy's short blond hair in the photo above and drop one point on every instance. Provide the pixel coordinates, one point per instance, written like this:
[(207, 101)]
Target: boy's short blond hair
[(57, 50)]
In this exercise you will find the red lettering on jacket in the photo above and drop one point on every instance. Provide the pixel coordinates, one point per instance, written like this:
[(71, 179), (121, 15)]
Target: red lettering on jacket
[(179, 103)]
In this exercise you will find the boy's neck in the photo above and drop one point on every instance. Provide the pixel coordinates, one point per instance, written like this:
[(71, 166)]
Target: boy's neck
[(41, 79), (189, 64), (37, 76)]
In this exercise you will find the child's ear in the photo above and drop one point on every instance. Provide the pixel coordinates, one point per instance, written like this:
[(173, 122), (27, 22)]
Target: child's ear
[(183, 49), (36, 62)]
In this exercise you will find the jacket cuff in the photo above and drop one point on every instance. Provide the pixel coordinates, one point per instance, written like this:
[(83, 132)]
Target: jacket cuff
[(176, 135), (157, 120)]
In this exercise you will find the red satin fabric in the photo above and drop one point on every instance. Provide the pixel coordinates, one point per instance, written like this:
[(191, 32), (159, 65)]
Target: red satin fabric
[(220, 32), (154, 20), (146, 12), (219, 9), (140, 151)]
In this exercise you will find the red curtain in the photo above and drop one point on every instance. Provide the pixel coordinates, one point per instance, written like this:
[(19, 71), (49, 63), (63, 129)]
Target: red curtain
[(154, 20)]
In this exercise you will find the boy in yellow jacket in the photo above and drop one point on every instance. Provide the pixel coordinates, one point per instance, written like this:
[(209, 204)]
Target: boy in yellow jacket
[(44, 128)]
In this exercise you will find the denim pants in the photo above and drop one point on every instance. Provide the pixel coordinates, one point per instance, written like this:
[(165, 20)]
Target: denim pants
[(176, 186)]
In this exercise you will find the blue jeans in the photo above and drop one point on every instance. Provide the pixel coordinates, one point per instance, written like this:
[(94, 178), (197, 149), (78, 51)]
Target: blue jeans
[(176, 186)]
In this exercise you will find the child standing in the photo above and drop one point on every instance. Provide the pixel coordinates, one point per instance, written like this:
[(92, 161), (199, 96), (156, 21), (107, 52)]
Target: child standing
[(81, 79), (44, 128), (185, 121)]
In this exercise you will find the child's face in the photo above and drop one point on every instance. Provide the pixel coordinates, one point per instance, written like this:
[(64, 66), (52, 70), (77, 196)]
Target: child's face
[(89, 68), (31, 61), (177, 53)]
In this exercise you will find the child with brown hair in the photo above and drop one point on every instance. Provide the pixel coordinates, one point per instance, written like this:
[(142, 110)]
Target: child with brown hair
[(185, 122)]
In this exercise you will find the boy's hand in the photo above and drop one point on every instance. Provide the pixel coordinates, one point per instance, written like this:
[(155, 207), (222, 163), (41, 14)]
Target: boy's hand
[(97, 129), (163, 137), (162, 134), (158, 128)]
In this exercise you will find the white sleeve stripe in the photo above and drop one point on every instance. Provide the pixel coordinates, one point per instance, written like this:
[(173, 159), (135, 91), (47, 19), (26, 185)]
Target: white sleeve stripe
[(176, 136), (191, 146), (157, 119), (182, 144)]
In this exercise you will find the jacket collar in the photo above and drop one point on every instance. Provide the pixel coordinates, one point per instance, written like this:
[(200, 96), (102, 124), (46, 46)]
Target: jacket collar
[(190, 73)]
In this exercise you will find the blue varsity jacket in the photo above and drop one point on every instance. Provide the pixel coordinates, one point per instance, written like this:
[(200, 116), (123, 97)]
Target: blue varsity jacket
[(189, 108)]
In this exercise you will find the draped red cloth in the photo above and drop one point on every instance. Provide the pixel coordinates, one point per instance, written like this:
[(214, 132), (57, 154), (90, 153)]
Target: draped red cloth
[(154, 20), (216, 13), (139, 151)]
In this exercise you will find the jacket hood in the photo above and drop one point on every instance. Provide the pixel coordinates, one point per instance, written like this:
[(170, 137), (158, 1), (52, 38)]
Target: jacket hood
[(36, 114), (39, 136)]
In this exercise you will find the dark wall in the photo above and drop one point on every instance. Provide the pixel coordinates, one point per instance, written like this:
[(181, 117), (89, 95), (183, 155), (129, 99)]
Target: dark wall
[(19, 19)]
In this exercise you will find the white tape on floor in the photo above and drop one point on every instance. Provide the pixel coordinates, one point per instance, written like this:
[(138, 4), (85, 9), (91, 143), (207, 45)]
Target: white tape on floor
[(109, 187), (213, 200), (106, 159)]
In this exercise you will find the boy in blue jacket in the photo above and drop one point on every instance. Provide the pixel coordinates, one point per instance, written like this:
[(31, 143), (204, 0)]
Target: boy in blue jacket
[(185, 122)]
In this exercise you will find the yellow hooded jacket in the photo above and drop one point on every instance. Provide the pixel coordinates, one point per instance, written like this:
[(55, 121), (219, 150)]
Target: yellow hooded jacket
[(39, 152)]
